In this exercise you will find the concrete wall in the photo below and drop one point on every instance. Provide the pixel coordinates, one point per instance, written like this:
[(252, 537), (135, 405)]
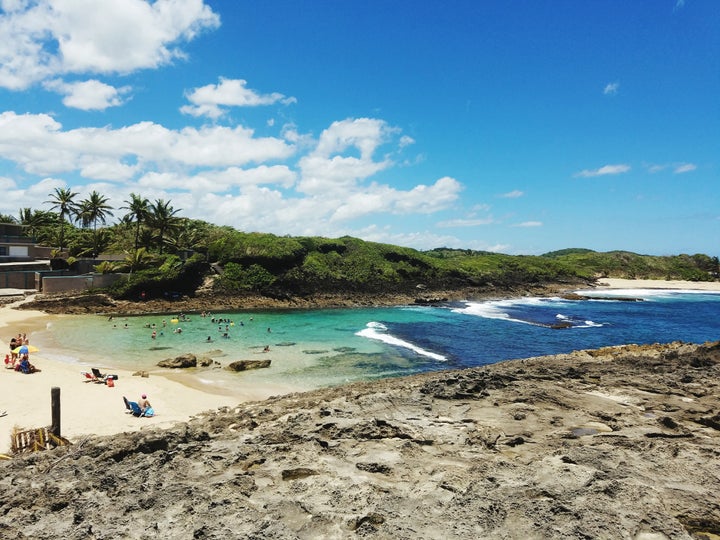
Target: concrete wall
[(18, 280), (53, 284)]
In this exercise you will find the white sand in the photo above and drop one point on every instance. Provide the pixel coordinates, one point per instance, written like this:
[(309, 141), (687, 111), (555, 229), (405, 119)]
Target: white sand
[(616, 283), (88, 408)]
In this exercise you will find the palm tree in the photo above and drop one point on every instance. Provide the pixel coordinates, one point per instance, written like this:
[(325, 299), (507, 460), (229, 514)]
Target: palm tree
[(186, 235), (139, 208), (135, 259), (92, 210), (162, 217), (37, 222), (62, 200)]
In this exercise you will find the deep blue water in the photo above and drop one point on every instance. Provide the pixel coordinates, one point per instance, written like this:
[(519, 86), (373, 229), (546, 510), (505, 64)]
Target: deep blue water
[(324, 347)]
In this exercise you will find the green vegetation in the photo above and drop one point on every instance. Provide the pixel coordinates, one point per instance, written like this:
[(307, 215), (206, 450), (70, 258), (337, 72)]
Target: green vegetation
[(165, 254)]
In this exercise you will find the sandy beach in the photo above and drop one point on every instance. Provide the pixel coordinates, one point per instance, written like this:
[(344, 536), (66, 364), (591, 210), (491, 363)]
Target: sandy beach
[(96, 409), (88, 408), (617, 283)]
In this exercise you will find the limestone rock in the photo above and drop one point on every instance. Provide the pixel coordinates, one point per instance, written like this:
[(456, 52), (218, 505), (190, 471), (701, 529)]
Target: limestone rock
[(183, 361), (244, 365)]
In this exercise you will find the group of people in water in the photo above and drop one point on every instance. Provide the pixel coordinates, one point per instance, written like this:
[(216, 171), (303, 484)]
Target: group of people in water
[(19, 356), (224, 326)]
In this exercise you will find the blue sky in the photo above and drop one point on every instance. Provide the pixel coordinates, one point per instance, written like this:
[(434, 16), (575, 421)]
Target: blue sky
[(514, 126)]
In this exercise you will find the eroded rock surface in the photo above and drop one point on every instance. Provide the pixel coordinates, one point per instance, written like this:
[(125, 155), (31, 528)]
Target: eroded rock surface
[(623, 442)]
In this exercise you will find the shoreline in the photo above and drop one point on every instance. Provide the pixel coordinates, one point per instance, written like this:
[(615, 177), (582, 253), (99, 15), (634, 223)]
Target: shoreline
[(94, 409), (619, 283)]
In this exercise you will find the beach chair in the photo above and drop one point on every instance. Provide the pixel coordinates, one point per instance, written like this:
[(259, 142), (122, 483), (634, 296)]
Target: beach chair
[(104, 378), (132, 407), (88, 377)]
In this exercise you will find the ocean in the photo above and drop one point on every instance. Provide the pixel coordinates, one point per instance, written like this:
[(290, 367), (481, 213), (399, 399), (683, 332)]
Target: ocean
[(317, 348)]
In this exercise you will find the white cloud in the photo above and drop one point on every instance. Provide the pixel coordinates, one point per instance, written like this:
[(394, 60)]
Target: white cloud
[(604, 170), (684, 167), (224, 175), (423, 240), (211, 99), (324, 170), (406, 140), (91, 95), (514, 194), (38, 144), (476, 222), (611, 88), (46, 38), (380, 198), (677, 168), (529, 224)]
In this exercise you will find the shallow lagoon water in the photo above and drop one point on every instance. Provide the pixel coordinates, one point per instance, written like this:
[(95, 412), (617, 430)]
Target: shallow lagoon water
[(315, 348)]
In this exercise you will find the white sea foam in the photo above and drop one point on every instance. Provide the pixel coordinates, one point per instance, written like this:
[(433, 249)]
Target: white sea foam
[(499, 309), (496, 309), (378, 331)]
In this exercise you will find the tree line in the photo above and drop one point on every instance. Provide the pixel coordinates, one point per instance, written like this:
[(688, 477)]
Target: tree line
[(164, 251), (78, 227)]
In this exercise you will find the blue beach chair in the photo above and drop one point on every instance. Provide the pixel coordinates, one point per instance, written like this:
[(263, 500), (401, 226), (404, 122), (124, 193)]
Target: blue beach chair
[(132, 407)]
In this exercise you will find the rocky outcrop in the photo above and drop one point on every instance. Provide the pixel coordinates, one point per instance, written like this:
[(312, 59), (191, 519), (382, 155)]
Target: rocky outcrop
[(188, 360), (617, 443), (70, 303), (244, 365)]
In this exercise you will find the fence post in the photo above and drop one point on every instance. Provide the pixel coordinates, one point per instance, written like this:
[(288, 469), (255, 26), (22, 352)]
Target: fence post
[(55, 405)]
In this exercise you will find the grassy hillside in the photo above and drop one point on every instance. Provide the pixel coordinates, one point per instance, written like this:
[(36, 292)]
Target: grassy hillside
[(623, 264), (163, 252)]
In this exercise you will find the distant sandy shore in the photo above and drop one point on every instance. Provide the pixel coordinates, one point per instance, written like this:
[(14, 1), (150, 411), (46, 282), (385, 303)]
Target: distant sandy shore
[(96, 409), (616, 283)]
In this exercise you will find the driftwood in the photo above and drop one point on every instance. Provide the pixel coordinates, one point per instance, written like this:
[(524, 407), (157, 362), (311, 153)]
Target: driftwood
[(35, 440)]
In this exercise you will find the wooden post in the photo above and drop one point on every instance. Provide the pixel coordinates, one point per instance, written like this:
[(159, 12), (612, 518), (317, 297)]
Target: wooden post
[(55, 405)]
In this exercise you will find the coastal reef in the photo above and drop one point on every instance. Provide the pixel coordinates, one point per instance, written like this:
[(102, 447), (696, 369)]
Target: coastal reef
[(621, 442)]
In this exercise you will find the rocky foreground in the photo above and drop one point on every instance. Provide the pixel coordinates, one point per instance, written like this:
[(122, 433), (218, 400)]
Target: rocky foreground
[(622, 442)]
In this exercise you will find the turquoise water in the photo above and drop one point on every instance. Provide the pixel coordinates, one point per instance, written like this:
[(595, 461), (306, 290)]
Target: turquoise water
[(317, 348)]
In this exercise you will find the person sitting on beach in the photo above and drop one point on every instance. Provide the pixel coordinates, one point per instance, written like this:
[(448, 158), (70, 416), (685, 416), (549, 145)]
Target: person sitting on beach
[(145, 406), (25, 366), (14, 345)]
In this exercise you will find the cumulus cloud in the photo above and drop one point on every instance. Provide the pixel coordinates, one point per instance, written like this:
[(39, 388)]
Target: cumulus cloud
[(329, 168), (39, 145), (42, 39), (228, 176), (611, 88), (603, 171), (91, 95), (421, 199), (211, 100)]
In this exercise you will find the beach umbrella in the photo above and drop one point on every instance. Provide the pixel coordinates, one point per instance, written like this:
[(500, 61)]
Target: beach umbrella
[(26, 349)]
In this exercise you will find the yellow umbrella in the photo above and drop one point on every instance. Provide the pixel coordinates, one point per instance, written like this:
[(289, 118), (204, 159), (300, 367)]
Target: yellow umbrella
[(30, 348)]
